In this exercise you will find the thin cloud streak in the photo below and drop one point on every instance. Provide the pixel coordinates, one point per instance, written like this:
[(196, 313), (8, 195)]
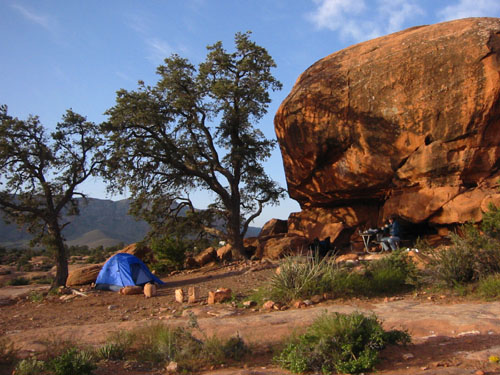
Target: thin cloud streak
[(41, 20)]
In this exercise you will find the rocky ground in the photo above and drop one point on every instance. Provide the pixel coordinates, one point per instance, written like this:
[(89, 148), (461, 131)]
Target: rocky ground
[(450, 336)]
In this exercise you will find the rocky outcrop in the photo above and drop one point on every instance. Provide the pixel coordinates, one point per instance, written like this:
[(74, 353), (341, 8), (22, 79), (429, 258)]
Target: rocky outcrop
[(407, 123)]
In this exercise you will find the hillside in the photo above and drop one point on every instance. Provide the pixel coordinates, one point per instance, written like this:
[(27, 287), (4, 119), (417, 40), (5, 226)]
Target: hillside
[(100, 223)]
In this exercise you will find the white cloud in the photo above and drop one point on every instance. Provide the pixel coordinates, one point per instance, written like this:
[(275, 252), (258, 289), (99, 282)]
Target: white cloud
[(471, 8), (356, 21), (159, 50), (30, 15)]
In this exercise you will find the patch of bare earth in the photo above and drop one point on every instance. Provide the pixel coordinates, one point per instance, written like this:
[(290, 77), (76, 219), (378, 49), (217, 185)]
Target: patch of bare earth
[(449, 336)]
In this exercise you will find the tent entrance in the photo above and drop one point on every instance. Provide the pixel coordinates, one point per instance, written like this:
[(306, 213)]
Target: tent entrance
[(139, 276)]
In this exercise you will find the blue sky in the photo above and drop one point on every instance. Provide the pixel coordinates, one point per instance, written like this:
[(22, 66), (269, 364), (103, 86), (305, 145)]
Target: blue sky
[(59, 54)]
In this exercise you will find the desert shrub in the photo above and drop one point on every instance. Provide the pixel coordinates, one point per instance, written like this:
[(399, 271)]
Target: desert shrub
[(470, 257), (30, 366), (73, 362), (35, 297), (18, 281), (302, 277), (491, 222), (169, 251), (216, 351), (338, 343), (116, 347), (391, 274), (489, 287), (7, 352), (158, 343), (161, 344)]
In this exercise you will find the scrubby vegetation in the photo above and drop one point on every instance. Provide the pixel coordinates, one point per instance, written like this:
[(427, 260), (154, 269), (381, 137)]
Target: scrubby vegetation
[(154, 345), (339, 343), (302, 277), (474, 255)]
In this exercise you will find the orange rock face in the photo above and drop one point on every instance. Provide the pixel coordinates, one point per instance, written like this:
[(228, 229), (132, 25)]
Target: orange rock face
[(408, 124)]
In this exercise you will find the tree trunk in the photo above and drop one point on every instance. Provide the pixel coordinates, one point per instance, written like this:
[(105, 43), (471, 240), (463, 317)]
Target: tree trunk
[(235, 238), (57, 243)]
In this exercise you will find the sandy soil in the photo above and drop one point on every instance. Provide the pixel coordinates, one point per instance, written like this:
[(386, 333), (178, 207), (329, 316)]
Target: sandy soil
[(449, 336)]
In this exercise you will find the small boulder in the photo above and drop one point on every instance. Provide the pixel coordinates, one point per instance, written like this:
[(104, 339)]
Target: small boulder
[(220, 295), (206, 256), (149, 290), (192, 294), (128, 290), (268, 305), (225, 253), (179, 295)]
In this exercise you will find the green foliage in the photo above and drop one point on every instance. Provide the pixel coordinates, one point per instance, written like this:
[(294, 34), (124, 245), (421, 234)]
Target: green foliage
[(18, 281), (391, 274), (194, 130), (338, 343), (73, 362), (116, 346), (301, 277), (7, 352), (491, 222), (40, 172), (161, 344), (170, 251), (111, 351), (35, 297), (489, 287), (471, 256), (30, 366)]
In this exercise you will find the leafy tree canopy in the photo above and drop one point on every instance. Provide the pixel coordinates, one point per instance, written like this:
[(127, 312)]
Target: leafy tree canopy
[(40, 173), (194, 130)]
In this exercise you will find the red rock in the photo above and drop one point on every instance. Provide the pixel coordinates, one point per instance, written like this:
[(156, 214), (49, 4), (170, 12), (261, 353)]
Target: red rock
[(274, 226), (179, 296), (149, 290), (220, 295), (268, 305), (405, 124), (225, 253), (206, 256), (142, 252), (277, 247), (83, 275), (128, 290)]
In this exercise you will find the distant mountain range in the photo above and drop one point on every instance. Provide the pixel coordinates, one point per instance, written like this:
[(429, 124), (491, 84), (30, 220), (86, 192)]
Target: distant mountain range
[(100, 223)]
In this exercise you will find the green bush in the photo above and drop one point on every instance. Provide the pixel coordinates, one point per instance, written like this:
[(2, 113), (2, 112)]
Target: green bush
[(338, 343), (116, 346), (18, 281), (30, 366), (7, 352), (170, 252), (491, 222), (302, 277), (391, 274), (489, 287), (470, 257), (73, 362)]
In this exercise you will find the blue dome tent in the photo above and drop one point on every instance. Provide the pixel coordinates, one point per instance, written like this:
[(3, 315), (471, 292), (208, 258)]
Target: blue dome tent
[(124, 269)]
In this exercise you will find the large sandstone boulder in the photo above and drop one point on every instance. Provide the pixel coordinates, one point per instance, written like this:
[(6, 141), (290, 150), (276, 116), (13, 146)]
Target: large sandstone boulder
[(275, 247), (407, 123), (83, 275)]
